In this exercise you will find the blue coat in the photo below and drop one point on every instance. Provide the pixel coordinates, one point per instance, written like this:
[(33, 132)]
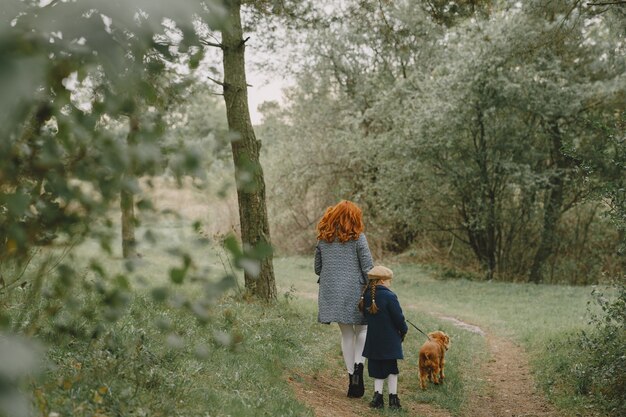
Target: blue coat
[(386, 328)]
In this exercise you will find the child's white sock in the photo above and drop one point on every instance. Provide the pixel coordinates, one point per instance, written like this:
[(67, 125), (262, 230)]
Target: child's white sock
[(378, 385), (392, 383)]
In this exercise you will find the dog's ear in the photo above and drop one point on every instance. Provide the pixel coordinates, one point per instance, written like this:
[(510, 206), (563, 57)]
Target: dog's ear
[(447, 341)]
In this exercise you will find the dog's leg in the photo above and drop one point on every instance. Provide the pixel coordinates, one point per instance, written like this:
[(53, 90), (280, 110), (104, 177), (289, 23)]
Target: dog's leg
[(441, 374), (422, 384), (435, 373), (423, 379)]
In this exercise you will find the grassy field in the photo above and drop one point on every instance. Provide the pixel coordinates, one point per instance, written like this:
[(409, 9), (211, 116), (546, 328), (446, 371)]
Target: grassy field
[(534, 316), (158, 360)]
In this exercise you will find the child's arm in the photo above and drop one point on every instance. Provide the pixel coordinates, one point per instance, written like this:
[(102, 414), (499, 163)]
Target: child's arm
[(397, 316)]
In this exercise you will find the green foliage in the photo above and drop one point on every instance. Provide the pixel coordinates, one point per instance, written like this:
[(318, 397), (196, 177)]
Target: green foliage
[(603, 372), (595, 368), (160, 361), (605, 163), (64, 153), (86, 85), (197, 141), (457, 132)]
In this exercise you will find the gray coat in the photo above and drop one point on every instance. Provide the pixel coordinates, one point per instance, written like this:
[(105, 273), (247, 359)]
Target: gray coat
[(342, 268)]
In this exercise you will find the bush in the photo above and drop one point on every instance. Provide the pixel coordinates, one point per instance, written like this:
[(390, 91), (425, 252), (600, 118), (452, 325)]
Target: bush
[(599, 368)]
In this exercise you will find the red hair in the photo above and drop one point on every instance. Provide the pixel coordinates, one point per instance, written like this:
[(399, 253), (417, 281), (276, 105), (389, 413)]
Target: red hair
[(343, 221)]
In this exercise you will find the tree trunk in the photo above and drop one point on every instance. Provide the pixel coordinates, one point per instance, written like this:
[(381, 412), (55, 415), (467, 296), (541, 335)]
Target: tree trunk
[(483, 237), (127, 203), (552, 209), (248, 170)]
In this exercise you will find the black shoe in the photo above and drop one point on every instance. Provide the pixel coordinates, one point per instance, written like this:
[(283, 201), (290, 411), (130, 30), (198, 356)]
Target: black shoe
[(351, 386), (394, 402), (377, 401), (357, 381)]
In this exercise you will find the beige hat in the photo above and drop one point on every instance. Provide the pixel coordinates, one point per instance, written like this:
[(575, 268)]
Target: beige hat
[(380, 272)]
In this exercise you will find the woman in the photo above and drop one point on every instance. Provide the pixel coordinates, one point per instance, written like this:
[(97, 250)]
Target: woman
[(342, 260)]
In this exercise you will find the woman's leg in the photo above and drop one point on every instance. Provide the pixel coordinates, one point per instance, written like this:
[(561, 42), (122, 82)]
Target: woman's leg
[(347, 345), (361, 333), (356, 389)]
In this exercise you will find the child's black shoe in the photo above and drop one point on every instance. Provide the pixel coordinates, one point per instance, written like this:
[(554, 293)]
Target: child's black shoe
[(377, 401), (394, 402)]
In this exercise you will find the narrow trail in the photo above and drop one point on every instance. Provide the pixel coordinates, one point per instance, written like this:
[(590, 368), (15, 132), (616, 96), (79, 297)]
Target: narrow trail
[(325, 394), (509, 387)]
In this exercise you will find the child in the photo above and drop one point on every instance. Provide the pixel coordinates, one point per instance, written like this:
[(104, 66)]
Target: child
[(386, 329)]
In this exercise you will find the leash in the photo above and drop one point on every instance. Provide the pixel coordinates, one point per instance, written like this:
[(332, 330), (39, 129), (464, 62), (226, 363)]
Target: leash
[(417, 328)]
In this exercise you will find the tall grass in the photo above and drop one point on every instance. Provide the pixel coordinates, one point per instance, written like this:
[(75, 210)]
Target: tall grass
[(235, 365)]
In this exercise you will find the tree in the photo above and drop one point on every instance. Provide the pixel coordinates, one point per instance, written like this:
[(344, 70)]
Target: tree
[(462, 134), (246, 148), (575, 45), (127, 200), (68, 70), (255, 232)]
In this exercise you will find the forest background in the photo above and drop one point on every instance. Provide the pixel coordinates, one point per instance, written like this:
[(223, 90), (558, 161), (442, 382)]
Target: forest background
[(484, 139)]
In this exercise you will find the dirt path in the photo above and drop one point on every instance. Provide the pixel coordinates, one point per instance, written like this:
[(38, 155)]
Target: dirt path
[(509, 388), (325, 393)]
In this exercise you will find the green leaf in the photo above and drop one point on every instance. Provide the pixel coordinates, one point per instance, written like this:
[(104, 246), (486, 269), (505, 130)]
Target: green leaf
[(122, 281), (177, 275), (145, 205), (194, 60), (260, 251), (232, 245), (17, 203)]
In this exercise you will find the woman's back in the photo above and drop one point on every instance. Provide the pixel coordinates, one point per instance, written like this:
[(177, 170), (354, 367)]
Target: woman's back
[(342, 268)]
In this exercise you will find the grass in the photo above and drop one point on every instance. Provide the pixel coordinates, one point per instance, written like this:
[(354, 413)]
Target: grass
[(544, 319), (136, 369), (528, 313), (161, 361), (534, 316), (296, 273)]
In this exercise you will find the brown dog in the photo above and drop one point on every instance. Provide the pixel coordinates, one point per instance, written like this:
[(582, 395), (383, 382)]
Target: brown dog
[(432, 358)]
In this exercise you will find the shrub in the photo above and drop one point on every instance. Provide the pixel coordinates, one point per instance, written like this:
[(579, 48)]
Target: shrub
[(599, 369)]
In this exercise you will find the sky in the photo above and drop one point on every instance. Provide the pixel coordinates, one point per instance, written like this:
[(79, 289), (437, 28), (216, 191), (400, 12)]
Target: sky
[(264, 87), (263, 83)]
